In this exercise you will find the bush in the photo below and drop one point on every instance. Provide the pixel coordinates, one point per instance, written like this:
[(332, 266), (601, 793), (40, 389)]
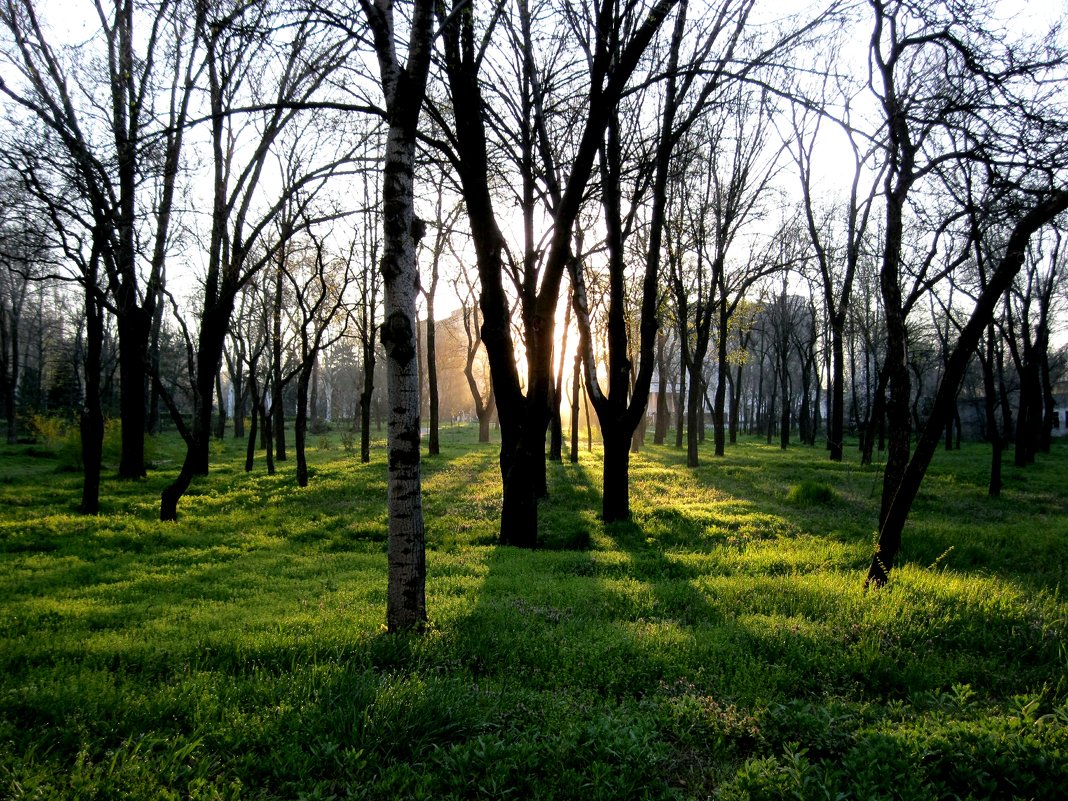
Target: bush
[(49, 431), (348, 440)]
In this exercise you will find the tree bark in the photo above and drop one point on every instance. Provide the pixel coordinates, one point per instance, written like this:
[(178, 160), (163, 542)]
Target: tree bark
[(433, 440), (220, 421), (993, 435), (404, 89), (253, 429), (663, 414), (278, 412), (300, 425), (575, 388), (615, 487), (366, 395), (92, 417)]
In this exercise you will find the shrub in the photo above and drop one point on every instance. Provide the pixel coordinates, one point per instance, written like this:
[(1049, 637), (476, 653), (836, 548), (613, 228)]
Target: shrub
[(348, 440), (48, 431)]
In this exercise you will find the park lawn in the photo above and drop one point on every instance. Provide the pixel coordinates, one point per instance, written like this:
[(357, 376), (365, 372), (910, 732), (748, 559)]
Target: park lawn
[(719, 645)]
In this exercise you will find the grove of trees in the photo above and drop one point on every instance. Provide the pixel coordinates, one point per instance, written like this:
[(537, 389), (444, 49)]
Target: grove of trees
[(675, 215)]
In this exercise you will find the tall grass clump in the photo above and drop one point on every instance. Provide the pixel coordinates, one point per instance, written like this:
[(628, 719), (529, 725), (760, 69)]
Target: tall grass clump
[(810, 493)]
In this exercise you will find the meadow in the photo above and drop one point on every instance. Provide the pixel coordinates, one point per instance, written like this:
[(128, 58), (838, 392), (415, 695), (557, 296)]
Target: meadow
[(719, 645)]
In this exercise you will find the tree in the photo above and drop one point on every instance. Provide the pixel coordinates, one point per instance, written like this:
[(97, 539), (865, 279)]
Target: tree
[(622, 408), (67, 247), (123, 154), (837, 248), (952, 91), (1029, 306), (1049, 205), (735, 180), (245, 46), (444, 224), (404, 89), (617, 36), (22, 253), (318, 285), (481, 386)]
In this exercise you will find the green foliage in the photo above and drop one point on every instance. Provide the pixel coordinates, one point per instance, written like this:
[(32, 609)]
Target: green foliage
[(48, 431), (348, 439), (719, 645)]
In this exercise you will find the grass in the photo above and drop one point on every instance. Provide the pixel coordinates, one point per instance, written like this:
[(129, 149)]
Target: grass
[(718, 645)]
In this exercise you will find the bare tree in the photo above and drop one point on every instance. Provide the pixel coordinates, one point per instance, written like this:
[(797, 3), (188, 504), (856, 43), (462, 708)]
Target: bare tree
[(953, 90), (123, 153), (481, 386), (247, 43), (321, 313), (837, 244), (618, 36), (443, 229)]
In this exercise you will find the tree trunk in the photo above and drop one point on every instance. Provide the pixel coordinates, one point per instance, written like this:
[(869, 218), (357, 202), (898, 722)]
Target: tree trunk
[(238, 383), (836, 432), (719, 431), (153, 420), (680, 412), (784, 423), (265, 429), (433, 440), (519, 514), (556, 424), (575, 387), (278, 413), (220, 422), (663, 414), (300, 427), (250, 449), (214, 324), (173, 492), (615, 493), (365, 402), (1023, 454), (771, 411), (134, 333), (736, 404), (92, 418), (990, 405), (693, 405), (404, 89), (9, 367), (313, 394)]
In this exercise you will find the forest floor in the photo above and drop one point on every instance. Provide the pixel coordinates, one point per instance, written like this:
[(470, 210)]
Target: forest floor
[(719, 645)]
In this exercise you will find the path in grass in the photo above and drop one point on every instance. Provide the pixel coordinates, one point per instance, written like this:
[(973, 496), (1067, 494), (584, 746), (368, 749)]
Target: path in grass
[(719, 643)]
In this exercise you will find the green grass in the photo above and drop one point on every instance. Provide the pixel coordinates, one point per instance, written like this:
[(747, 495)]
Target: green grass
[(718, 645)]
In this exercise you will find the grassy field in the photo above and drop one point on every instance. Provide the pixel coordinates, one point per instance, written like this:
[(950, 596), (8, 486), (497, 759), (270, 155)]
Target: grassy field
[(720, 645)]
